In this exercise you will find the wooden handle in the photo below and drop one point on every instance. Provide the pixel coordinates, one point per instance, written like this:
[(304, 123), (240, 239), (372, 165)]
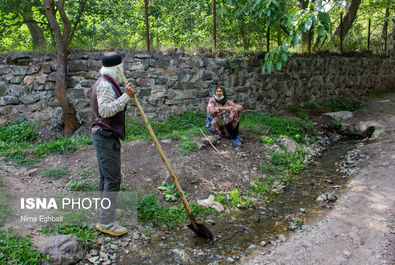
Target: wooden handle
[(158, 146)]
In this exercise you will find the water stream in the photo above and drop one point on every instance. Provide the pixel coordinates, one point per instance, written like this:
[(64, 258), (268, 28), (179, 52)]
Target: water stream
[(234, 232)]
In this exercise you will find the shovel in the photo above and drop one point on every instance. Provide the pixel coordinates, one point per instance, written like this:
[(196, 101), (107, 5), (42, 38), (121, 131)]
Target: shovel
[(199, 229)]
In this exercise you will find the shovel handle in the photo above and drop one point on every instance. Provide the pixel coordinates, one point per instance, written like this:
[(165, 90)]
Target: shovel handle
[(165, 160)]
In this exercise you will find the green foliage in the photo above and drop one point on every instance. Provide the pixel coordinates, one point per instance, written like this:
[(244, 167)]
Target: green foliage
[(237, 199), (179, 127), (151, 210), (62, 145), (298, 130), (81, 186), (18, 132), (187, 145), (337, 105), (87, 173), (84, 233), (292, 162), (17, 250), (168, 190), (5, 210), (56, 173), (267, 140), (260, 187)]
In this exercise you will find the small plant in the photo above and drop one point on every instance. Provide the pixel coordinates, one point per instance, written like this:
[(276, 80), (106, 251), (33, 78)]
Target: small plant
[(56, 173), (82, 186), (17, 250), (168, 190), (237, 199), (187, 145), (150, 210), (259, 187), (84, 233), (267, 140), (87, 173), (20, 131)]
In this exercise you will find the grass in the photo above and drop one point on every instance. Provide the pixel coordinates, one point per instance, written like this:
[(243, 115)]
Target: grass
[(56, 173), (17, 250), (85, 234), (5, 210), (276, 126), (17, 143), (151, 210), (82, 186), (302, 111), (178, 127)]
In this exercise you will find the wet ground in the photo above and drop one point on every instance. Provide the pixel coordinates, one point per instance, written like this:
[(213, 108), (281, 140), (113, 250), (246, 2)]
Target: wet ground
[(238, 232)]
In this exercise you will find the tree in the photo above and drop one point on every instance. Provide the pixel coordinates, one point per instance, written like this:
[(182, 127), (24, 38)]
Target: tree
[(351, 14), (61, 39), (15, 13)]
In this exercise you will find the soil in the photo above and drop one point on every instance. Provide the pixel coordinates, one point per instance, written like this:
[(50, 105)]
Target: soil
[(359, 230)]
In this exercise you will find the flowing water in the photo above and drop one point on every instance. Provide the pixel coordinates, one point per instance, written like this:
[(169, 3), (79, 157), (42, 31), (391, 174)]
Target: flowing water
[(234, 232)]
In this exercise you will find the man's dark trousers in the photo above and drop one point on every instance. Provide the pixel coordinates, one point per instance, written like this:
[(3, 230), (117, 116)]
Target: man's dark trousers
[(108, 153)]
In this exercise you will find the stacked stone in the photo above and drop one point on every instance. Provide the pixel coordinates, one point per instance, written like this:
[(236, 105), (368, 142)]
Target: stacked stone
[(173, 82)]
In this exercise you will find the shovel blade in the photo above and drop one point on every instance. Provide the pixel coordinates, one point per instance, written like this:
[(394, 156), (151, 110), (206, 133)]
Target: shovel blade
[(202, 231)]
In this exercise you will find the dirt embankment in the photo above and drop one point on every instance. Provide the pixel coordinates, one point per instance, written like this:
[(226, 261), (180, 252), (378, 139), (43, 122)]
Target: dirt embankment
[(361, 227)]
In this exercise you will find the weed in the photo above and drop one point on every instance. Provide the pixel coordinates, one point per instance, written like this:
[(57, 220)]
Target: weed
[(87, 173), (20, 131), (237, 199), (17, 250), (187, 145), (259, 187), (5, 210), (56, 173), (344, 105), (81, 186), (268, 140), (84, 233), (298, 130), (150, 210), (168, 190), (61, 146)]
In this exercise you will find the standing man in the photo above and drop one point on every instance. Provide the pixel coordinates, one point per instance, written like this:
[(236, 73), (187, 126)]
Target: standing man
[(108, 127)]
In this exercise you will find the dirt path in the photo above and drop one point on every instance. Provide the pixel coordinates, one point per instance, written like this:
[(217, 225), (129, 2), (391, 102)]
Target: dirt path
[(360, 229)]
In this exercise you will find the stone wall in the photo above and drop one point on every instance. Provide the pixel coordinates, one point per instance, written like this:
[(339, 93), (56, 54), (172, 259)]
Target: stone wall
[(168, 83)]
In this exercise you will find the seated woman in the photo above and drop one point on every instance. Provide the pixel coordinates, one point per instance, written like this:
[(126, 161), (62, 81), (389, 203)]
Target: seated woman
[(223, 116)]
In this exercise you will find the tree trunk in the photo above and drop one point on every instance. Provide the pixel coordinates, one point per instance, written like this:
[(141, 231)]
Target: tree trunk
[(37, 35), (384, 33), (305, 35), (69, 114), (35, 31), (351, 14), (61, 41), (147, 25), (214, 25), (244, 35)]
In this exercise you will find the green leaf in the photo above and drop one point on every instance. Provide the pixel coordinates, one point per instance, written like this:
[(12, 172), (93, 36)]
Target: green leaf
[(284, 57), (284, 47), (324, 18), (320, 30), (314, 19), (269, 66), (268, 13), (279, 65), (263, 69), (307, 24)]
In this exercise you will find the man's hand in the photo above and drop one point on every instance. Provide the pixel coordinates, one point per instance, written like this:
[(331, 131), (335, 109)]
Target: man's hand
[(129, 90)]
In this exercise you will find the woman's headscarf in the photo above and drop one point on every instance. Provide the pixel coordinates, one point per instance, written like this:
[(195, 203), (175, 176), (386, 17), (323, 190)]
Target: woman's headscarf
[(222, 100)]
